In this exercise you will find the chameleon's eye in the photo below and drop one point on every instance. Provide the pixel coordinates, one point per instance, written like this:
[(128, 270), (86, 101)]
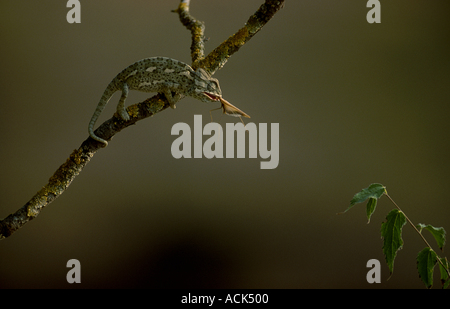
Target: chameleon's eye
[(215, 85)]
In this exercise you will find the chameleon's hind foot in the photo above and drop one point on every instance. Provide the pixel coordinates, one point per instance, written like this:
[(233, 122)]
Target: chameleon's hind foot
[(123, 114)]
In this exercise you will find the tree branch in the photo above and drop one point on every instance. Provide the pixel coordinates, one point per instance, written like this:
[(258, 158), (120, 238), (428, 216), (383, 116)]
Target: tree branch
[(78, 159), (219, 56)]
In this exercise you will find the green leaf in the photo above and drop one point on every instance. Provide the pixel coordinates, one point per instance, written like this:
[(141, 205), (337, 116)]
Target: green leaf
[(374, 191), (391, 232), (370, 208), (426, 260), (437, 232), (445, 279)]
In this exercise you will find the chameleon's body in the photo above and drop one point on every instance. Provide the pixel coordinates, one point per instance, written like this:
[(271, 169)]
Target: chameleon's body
[(163, 75)]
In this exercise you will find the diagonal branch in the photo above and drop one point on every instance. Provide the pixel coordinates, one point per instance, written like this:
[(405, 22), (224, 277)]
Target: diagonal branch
[(78, 159)]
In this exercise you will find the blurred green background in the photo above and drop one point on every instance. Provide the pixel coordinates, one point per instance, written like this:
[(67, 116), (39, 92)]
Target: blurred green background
[(357, 103)]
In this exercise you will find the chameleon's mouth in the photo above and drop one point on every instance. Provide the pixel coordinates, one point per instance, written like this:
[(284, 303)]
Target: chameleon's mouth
[(212, 96)]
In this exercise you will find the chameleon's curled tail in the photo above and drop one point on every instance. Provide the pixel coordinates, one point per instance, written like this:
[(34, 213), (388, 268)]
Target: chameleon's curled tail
[(101, 105)]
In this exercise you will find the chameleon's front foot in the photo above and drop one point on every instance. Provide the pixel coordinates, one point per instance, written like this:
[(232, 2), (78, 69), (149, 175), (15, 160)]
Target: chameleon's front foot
[(172, 99)]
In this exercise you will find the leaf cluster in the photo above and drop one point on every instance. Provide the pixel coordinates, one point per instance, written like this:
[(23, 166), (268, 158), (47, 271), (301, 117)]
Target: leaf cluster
[(391, 233)]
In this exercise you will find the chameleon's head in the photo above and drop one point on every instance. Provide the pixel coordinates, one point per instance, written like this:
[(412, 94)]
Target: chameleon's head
[(207, 89)]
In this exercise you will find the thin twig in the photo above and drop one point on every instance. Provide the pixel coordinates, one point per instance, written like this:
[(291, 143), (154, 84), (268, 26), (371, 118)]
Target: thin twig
[(410, 222)]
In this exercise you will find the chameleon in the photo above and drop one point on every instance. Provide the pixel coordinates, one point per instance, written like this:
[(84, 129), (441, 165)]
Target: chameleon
[(170, 77)]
